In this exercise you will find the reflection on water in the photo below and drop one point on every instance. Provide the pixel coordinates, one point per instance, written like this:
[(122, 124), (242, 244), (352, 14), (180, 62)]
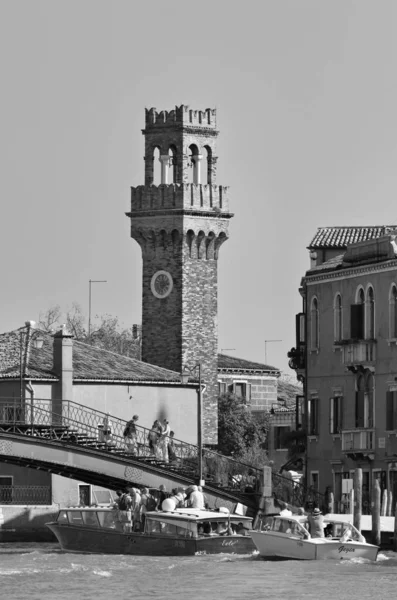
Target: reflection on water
[(36, 570)]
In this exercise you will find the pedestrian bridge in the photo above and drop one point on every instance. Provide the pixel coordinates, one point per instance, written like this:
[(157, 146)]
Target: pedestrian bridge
[(74, 443)]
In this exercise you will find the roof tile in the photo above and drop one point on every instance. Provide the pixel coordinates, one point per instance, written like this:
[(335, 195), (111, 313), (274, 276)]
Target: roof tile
[(341, 236)]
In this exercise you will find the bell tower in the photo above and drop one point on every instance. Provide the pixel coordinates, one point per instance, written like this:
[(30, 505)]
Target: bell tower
[(180, 225)]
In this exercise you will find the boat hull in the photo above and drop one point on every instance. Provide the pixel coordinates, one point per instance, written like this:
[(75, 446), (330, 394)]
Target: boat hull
[(273, 545), (100, 541)]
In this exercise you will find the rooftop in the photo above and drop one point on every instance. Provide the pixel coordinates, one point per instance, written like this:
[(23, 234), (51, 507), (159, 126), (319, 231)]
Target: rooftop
[(342, 236), (89, 362), (228, 364)]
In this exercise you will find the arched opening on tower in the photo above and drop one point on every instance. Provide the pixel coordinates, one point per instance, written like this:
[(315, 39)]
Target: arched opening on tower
[(172, 164), (156, 166), (195, 158)]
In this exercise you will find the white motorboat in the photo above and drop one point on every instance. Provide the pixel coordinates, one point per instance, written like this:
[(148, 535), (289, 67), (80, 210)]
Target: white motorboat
[(289, 537)]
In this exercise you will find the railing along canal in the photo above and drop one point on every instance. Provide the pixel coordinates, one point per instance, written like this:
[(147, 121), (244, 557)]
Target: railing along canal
[(23, 494)]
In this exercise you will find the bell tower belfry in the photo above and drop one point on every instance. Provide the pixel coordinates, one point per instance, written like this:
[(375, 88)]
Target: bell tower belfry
[(180, 225)]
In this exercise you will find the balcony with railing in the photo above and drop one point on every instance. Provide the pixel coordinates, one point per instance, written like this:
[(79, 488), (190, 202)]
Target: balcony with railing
[(356, 442), (356, 353)]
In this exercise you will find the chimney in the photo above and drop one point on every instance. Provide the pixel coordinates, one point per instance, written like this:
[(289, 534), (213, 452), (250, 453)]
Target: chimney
[(63, 365)]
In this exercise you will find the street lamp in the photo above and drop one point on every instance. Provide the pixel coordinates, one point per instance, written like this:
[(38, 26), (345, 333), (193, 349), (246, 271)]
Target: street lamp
[(89, 301), (186, 373)]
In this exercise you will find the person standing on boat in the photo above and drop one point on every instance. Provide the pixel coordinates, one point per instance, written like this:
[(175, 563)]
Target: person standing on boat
[(166, 430), (136, 508), (131, 436), (316, 523), (196, 499), (125, 515)]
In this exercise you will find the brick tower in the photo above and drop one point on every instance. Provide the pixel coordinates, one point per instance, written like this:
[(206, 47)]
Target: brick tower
[(180, 227)]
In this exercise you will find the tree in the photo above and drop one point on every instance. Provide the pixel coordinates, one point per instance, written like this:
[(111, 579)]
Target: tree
[(108, 334), (241, 434)]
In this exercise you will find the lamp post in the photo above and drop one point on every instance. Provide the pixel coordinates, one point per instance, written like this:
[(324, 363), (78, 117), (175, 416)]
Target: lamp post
[(189, 371), (89, 301)]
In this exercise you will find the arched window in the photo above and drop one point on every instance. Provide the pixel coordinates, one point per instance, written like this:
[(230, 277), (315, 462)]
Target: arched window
[(338, 318), (314, 324), (370, 310), (172, 164), (195, 160), (357, 316), (156, 167), (393, 312)]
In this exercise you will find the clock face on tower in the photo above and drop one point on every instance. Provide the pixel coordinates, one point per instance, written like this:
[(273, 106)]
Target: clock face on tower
[(161, 284)]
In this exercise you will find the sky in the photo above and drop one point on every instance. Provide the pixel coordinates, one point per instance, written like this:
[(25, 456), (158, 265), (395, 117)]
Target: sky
[(306, 97)]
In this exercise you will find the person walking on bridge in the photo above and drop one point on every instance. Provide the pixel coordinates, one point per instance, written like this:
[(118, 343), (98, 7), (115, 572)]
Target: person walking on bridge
[(131, 436)]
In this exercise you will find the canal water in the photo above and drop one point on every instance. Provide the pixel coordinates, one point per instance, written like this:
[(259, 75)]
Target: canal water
[(35, 571)]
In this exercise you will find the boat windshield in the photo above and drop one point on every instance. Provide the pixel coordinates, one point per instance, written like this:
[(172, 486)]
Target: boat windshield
[(169, 528), (107, 519), (340, 529), (288, 526)]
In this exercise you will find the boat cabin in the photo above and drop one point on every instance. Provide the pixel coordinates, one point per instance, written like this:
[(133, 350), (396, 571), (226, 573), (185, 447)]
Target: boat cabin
[(183, 522), (298, 526)]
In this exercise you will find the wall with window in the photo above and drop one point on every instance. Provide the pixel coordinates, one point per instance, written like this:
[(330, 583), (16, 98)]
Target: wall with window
[(260, 392), (355, 310)]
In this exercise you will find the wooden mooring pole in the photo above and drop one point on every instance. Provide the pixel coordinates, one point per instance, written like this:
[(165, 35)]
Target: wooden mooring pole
[(357, 509), (375, 509), (395, 530)]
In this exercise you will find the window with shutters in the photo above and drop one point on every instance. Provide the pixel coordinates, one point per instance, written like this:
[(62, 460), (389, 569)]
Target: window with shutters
[(357, 317), (338, 318), (393, 312), (242, 390), (335, 414), (280, 434), (314, 324), (365, 401), (391, 410), (312, 415), (370, 310), (222, 387)]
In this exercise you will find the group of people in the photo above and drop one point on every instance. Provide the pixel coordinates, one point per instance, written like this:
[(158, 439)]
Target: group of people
[(191, 497), (132, 506), (208, 528), (160, 439)]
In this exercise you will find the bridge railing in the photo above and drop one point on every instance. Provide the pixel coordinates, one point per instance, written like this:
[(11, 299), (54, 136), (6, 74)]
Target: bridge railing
[(74, 422)]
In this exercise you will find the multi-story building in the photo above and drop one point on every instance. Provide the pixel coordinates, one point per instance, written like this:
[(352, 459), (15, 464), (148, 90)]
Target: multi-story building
[(346, 356)]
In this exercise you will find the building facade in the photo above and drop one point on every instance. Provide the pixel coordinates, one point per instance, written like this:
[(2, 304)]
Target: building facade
[(254, 383), (61, 369), (346, 355), (180, 225)]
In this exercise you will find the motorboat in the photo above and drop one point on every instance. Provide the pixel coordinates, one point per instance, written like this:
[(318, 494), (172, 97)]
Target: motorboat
[(183, 531), (289, 537)]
